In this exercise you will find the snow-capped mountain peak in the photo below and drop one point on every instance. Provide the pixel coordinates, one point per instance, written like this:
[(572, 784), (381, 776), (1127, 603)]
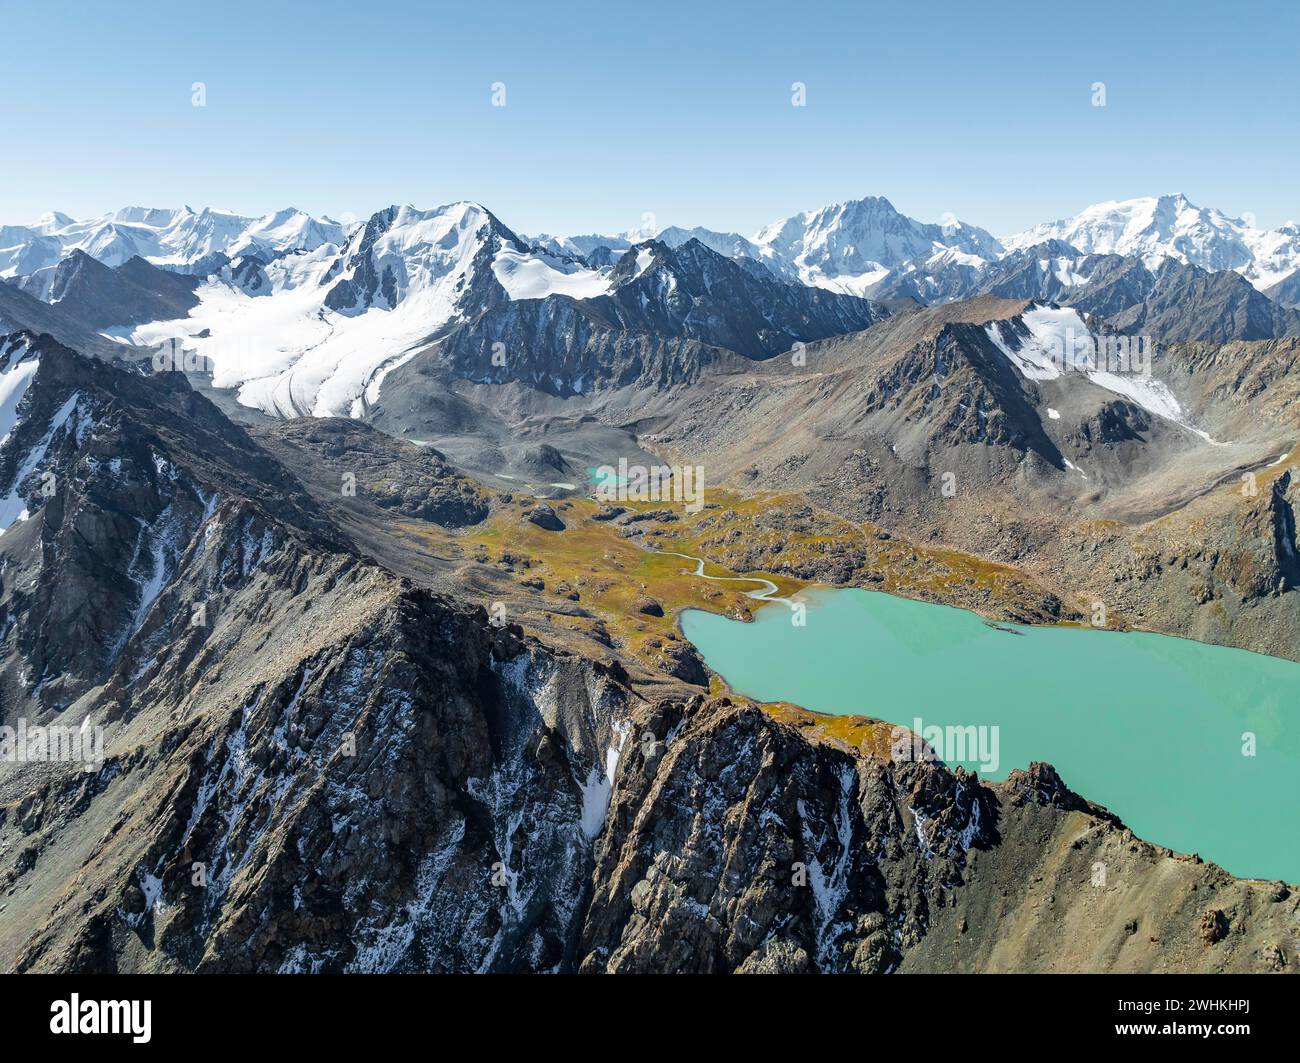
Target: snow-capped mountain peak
[(317, 331), (1156, 228), (307, 316), (852, 246), (847, 247), (51, 221)]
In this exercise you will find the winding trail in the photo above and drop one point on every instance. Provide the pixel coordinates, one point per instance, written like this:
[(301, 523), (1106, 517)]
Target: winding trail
[(768, 593)]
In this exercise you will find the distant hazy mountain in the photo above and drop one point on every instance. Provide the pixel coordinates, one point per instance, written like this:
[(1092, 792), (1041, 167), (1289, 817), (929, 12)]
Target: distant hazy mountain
[(163, 237)]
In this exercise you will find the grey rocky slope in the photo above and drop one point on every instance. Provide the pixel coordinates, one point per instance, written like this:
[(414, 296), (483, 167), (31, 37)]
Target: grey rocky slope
[(101, 297), (1172, 301), (1176, 302), (1286, 292), (115, 473), (396, 477), (22, 312), (328, 767)]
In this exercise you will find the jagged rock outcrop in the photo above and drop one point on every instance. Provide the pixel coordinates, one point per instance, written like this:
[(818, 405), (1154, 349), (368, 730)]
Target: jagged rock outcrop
[(544, 517), (734, 844), (116, 474), (1177, 302), (1261, 556)]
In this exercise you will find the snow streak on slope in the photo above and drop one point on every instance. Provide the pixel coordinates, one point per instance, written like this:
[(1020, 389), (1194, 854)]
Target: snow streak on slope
[(1040, 356), (14, 379), (1058, 339), (12, 506)]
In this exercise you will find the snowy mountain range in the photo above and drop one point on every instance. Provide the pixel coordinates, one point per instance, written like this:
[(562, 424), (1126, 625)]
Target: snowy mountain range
[(178, 238), (846, 247), (306, 315), (863, 246), (315, 330)]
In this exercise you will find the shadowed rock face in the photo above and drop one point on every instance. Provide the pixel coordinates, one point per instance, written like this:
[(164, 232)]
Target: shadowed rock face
[(1177, 302), (669, 314), (23, 312), (118, 474), (1260, 559), (133, 293), (736, 844)]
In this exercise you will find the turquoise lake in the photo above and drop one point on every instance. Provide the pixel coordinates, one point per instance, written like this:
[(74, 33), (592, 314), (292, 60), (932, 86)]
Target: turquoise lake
[(1147, 725)]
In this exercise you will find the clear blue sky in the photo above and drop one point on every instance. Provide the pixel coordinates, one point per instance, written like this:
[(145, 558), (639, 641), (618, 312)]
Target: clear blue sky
[(681, 110)]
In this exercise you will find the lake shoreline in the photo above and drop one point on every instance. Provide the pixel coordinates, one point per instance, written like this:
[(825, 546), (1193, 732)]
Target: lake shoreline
[(1196, 746)]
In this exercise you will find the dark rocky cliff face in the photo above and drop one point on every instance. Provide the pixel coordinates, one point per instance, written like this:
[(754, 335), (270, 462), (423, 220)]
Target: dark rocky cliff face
[(133, 293), (118, 474), (734, 844), (1261, 558), (1177, 302), (670, 313)]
